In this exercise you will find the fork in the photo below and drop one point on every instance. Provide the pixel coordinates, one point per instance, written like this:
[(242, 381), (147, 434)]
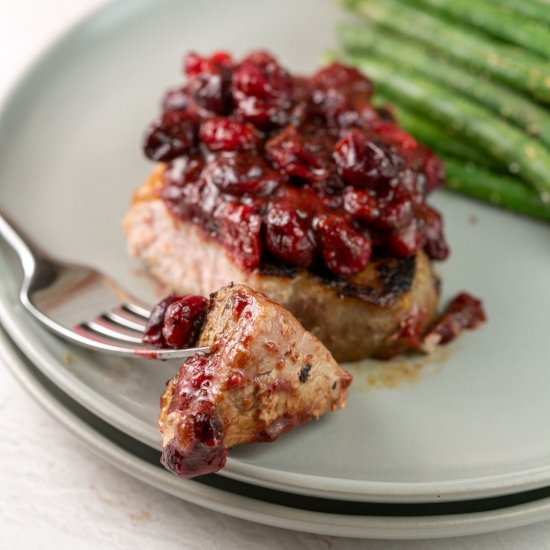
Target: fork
[(80, 304)]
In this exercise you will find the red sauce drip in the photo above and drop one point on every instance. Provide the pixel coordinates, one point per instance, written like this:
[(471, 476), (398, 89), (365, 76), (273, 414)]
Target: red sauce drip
[(197, 447), (301, 170)]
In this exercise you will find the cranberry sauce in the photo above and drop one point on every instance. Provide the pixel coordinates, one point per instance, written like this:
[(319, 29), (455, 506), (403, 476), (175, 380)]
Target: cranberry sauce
[(303, 170), (463, 312), (175, 322), (197, 447)]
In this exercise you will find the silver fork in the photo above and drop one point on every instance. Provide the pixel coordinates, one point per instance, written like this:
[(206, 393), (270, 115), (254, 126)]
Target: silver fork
[(81, 304)]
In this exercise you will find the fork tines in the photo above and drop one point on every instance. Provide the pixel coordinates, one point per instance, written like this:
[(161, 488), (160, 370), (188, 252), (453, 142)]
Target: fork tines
[(125, 323)]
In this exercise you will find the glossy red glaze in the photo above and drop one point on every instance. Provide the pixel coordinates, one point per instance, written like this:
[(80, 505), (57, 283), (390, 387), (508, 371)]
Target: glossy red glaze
[(197, 447), (259, 159), (175, 322)]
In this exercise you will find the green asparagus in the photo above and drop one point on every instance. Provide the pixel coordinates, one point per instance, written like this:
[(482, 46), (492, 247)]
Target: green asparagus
[(496, 20), (499, 190)]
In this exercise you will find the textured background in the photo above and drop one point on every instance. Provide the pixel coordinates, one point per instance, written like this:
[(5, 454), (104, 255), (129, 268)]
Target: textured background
[(54, 493)]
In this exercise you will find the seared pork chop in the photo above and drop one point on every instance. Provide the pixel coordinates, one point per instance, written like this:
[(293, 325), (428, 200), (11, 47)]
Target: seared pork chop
[(355, 317), (265, 376)]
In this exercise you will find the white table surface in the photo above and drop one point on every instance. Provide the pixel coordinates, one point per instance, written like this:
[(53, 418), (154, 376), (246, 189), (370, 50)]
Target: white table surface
[(54, 493)]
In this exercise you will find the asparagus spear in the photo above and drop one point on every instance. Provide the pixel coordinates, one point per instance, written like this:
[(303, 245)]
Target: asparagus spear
[(507, 103), (429, 134), (496, 189), (507, 144), (520, 69), (498, 21)]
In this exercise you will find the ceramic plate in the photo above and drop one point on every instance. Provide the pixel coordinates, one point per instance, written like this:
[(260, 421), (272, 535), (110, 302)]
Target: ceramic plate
[(472, 421), (349, 519)]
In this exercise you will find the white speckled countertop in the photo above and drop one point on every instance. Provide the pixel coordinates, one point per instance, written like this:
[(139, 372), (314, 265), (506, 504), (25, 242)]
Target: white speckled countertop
[(54, 493)]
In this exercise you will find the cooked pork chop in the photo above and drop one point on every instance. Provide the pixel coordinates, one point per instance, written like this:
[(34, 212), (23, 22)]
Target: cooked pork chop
[(266, 376), (357, 317)]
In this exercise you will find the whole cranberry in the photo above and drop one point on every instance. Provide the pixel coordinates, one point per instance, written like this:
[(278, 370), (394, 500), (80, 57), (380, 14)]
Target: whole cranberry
[(362, 205), (343, 77), (262, 90), (407, 240), (391, 134), (340, 89), (345, 251), (209, 79), (224, 134), (195, 64), (365, 163), (175, 99), (435, 172), (182, 187), (171, 136), (153, 329), (183, 320), (289, 152), (385, 211), (395, 211), (242, 173), (239, 229), (424, 231), (287, 234), (432, 227)]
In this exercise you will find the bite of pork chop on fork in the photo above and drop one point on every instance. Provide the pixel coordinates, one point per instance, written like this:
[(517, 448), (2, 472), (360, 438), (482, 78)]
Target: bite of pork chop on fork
[(266, 375)]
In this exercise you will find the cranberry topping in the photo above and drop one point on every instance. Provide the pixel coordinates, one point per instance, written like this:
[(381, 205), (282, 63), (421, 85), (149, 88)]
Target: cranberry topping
[(175, 99), (424, 231), (463, 312), (223, 134), (171, 136), (289, 152), (365, 163), (262, 90), (183, 320), (197, 459), (242, 173), (339, 92), (287, 234), (153, 330), (303, 170), (240, 233), (197, 447), (344, 250), (209, 81), (175, 322)]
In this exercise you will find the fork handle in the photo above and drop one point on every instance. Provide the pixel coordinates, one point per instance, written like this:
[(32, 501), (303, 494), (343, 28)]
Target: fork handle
[(29, 254)]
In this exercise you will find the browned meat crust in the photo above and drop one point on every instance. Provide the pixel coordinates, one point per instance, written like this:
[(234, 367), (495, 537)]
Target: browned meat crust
[(355, 318)]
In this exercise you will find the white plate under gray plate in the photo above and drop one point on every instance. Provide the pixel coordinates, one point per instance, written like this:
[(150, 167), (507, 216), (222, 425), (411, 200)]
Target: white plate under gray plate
[(477, 420), (247, 503)]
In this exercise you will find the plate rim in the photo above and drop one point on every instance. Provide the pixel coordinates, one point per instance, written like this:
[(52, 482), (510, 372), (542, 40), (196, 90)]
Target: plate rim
[(324, 487), (251, 509)]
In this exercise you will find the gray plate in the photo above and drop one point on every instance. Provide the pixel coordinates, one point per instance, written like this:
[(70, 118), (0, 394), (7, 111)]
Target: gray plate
[(391, 521), (472, 422)]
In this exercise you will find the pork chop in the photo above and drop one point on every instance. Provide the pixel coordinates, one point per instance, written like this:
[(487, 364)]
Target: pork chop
[(355, 317)]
